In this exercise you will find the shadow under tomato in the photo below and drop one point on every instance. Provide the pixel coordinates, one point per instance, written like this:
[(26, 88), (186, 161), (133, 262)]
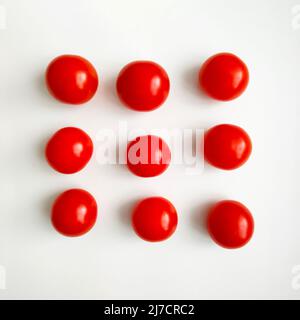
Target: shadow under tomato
[(125, 212), (46, 207), (191, 84), (199, 218)]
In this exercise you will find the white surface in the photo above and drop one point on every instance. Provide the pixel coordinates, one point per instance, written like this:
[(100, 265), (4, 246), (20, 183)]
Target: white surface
[(111, 262)]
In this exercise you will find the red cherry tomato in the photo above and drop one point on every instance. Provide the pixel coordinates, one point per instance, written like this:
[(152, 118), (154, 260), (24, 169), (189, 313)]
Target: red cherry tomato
[(230, 224), (71, 79), (74, 212), (143, 85), (224, 76), (148, 156), (227, 146), (154, 219), (69, 150)]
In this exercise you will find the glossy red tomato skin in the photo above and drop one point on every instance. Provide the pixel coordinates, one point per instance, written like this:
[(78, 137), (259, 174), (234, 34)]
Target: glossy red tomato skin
[(143, 85), (230, 224), (69, 150), (154, 219), (74, 212), (71, 79), (154, 155), (227, 146), (224, 76)]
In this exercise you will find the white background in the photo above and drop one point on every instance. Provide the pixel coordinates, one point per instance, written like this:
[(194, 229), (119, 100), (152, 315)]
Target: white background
[(111, 262)]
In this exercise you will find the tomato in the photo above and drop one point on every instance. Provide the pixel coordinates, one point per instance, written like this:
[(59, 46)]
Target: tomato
[(230, 224), (224, 76), (227, 146), (148, 156), (154, 219), (74, 212), (69, 150), (71, 79), (143, 85)]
